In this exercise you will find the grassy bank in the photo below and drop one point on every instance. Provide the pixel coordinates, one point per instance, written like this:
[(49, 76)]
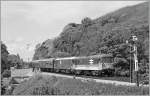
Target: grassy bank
[(50, 85)]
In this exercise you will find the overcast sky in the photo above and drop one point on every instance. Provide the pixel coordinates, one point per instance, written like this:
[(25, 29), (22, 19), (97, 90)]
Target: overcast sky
[(27, 23)]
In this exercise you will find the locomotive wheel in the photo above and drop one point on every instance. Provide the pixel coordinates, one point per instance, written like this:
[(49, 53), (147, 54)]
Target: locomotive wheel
[(102, 73), (77, 72), (46, 69), (99, 73), (63, 70), (41, 69), (111, 72), (67, 71), (72, 71), (57, 70), (95, 73), (87, 72), (108, 72), (50, 69)]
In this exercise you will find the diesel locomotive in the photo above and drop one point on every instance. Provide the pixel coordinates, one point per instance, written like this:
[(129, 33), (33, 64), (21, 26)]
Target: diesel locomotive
[(86, 65)]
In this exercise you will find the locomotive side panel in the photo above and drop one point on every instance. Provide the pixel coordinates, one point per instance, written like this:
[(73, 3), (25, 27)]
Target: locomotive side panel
[(84, 64), (86, 61), (98, 63)]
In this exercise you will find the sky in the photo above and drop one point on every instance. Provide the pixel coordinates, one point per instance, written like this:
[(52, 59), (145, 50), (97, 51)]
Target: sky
[(24, 24)]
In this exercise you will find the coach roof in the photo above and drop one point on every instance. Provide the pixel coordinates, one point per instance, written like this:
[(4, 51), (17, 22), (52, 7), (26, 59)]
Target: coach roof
[(82, 57), (68, 58)]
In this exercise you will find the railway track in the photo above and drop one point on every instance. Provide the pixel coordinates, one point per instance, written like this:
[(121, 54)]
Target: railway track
[(111, 80), (124, 79)]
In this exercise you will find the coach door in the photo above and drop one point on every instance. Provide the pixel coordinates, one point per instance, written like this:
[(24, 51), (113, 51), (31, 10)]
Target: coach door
[(100, 64)]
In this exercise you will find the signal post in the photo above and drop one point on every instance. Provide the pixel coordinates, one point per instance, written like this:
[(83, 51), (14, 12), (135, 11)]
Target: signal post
[(135, 59), (134, 68)]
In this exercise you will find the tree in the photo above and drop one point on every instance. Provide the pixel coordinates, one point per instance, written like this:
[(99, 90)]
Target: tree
[(4, 56), (60, 54), (15, 60), (45, 49), (86, 21)]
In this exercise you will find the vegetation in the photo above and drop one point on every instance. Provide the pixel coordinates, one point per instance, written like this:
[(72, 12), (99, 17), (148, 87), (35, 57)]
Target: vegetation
[(4, 56), (106, 34), (50, 85), (6, 74), (15, 61), (35, 86), (43, 50), (7, 61)]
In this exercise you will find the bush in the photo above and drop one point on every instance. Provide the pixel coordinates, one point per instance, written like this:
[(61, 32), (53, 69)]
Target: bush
[(60, 54), (125, 73), (6, 73), (121, 72), (37, 85), (75, 87)]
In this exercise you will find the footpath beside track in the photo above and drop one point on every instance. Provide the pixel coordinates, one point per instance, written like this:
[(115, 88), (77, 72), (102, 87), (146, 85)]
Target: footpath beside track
[(85, 79)]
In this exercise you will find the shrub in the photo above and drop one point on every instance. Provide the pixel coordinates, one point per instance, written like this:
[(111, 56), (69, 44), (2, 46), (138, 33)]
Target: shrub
[(51, 85), (37, 85), (6, 73)]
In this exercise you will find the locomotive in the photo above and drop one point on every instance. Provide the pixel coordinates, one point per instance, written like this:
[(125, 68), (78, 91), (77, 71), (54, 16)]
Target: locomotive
[(86, 65)]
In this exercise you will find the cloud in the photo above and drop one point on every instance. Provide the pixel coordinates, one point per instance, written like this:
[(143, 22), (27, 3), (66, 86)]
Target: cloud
[(19, 39), (73, 11), (30, 47)]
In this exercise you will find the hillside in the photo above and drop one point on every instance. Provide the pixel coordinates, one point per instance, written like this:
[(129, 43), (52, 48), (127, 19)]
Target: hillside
[(43, 50), (106, 34)]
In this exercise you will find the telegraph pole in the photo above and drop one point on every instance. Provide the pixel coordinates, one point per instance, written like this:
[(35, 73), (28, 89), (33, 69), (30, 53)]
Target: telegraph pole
[(130, 63), (131, 66)]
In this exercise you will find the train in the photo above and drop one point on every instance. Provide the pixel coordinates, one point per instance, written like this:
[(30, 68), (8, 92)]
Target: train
[(97, 65)]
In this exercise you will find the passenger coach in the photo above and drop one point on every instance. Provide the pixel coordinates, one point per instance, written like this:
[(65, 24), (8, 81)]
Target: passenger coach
[(86, 65)]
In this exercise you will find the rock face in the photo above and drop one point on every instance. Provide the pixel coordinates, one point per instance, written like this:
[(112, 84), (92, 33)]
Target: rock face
[(99, 35)]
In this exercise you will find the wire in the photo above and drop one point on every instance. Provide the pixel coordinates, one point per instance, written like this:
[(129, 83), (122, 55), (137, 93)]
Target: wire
[(130, 64)]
